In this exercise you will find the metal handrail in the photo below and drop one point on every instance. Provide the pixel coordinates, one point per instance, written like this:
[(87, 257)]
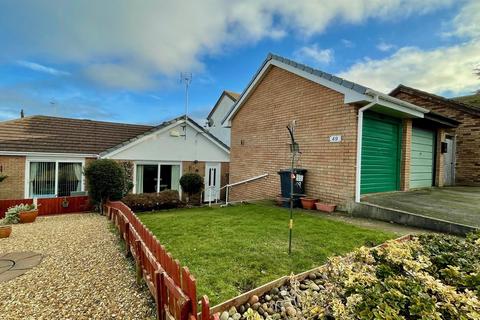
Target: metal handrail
[(240, 182)]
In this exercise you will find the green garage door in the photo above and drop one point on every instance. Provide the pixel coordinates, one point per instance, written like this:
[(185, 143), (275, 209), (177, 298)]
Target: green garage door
[(380, 153), (421, 163)]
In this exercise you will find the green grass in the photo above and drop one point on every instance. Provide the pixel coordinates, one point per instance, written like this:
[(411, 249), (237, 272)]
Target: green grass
[(235, 249)]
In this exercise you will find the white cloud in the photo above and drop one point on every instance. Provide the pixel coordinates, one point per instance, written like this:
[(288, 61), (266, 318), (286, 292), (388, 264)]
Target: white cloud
[(119, 76), (347, 43), (383, 46), (152, 38), (442, 70), (41, 68), (314, 55), (466, 23)]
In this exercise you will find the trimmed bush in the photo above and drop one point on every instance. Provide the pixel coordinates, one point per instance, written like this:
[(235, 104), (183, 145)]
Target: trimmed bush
[(192, 183), (167, 199), (105, 180)]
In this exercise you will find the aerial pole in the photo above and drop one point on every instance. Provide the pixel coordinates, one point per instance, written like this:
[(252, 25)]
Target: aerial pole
[(186, 78), (295, 150)]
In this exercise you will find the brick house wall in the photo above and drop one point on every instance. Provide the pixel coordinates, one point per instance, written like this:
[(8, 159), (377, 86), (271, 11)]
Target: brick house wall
[(13, 187), (260, 140), (467, 170)]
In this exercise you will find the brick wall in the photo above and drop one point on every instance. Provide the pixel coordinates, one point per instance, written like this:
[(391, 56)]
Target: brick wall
[(467, 170), (260, 140), (406, 155), (13, 187)]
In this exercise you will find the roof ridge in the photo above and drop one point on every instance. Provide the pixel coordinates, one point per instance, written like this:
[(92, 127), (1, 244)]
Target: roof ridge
[(74, 119)]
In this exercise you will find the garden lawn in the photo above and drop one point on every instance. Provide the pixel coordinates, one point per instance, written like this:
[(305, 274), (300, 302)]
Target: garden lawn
[(234, 249)]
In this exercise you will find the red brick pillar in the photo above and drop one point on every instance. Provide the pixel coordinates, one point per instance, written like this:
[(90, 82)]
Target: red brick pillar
[(406, 155), (439, 158)]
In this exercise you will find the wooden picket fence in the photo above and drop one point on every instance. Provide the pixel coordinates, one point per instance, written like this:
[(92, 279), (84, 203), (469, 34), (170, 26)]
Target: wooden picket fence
[(172, 286), (51, 206)]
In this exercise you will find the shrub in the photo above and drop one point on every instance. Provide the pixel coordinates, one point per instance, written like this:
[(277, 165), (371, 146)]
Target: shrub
[(105, 181), (12, 214), (166, 199), (192, 183)]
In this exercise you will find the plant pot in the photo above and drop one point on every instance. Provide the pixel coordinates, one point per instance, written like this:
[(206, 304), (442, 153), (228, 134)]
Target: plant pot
[(325, 207), (308, 203), (5, 231), (28, 216)]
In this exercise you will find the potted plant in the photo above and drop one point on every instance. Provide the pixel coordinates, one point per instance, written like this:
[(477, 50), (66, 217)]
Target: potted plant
[(308, 203), (5, 229), (23, 213), (325, 207)]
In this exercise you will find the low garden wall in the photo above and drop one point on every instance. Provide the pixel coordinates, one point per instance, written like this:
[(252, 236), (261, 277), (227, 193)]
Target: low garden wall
[(51, 206)]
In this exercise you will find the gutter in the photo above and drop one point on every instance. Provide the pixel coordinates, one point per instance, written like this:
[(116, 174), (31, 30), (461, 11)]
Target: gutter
[(359, 146)]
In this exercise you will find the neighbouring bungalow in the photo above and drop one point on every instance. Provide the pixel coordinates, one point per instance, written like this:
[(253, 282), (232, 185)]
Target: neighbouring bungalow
[(45, 156), (462, 154), (353, 140)]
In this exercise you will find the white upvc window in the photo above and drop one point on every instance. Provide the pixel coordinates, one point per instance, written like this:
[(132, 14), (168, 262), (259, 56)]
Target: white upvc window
[(157, 176), (53, 178)]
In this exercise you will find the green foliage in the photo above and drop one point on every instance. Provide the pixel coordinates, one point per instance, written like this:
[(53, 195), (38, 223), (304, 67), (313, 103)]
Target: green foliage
[(12, 214), (192, 183), (166, 199), (430, 277), (105, 180)]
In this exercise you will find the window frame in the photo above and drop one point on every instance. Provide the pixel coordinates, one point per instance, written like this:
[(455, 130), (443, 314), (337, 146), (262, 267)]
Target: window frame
[(158, 164), (56, 161)]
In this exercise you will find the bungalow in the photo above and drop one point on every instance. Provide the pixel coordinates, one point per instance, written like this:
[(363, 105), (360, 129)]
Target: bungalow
[(353, 140), (45, 156), (462, 154)]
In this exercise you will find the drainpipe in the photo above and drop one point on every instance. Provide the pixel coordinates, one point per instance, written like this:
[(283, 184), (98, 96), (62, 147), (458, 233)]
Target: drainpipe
[(359, 146)]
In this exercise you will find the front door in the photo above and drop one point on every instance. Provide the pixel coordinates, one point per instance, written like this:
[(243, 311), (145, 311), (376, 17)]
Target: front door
[(449, 162), (212, 181)]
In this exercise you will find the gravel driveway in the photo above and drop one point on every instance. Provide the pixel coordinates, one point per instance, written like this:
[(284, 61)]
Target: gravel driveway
[(83, 274)]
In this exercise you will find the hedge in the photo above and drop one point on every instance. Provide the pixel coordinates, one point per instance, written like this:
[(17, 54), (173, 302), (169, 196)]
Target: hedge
[(166, 199)]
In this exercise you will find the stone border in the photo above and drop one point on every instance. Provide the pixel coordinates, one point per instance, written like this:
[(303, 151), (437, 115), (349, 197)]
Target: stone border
[(373, 211), (259, 291)]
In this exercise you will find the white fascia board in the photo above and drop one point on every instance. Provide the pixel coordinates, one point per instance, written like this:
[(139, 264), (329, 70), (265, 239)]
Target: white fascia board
[(395, 101), (350, 95), (170, 126), (48, 154)]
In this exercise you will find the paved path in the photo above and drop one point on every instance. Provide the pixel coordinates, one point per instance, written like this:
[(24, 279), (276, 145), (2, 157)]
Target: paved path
[(456, 204), (83, 274)]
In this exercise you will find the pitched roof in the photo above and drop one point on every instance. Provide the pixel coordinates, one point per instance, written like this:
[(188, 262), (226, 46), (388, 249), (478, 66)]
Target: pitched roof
[(430, 96), (160, 127), (232, 95), (64, 135), (353, 92), (472, 100)]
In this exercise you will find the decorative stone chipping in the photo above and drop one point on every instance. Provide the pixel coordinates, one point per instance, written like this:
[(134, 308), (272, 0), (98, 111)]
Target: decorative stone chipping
[(13, 187), (467, 170), (260, 140)]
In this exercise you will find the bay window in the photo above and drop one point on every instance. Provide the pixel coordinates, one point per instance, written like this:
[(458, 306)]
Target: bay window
[(54, 178)]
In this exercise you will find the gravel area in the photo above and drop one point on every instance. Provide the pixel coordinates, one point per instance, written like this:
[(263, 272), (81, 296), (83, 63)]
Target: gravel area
[(83, 274)]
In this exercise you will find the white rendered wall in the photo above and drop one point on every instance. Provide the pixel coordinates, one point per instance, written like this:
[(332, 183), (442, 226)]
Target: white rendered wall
[(217, 130)]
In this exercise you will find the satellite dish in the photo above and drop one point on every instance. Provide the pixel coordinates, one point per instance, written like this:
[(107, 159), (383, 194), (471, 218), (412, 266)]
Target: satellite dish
[(210, 122)]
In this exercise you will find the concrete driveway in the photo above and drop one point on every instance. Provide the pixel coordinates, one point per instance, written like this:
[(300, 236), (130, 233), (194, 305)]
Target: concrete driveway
[(455, 204)]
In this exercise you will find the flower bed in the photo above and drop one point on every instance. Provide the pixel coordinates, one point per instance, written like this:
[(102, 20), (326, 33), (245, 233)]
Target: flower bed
[(429, 277)]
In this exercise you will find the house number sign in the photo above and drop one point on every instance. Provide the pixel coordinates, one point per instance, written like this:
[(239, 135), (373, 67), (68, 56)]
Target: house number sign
[(337, 138)]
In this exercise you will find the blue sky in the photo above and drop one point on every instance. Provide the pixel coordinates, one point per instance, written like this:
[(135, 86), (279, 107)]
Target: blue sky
[(120, 61)]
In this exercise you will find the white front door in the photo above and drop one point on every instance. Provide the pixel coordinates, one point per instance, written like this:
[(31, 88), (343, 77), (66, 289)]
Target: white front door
[(449, 162), (212, 181)]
